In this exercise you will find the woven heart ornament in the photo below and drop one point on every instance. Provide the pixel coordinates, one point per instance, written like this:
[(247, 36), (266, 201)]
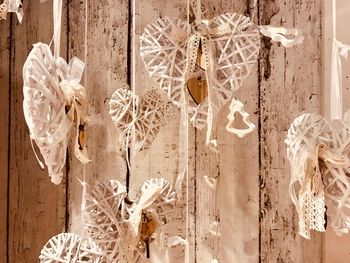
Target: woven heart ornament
[(143, 116), (71, 248), (54, 102), (123, 229), (319, 156), (220, 51)]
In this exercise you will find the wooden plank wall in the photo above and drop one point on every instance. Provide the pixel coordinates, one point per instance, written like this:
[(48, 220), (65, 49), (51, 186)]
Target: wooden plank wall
[(257, 221), (35, 207)]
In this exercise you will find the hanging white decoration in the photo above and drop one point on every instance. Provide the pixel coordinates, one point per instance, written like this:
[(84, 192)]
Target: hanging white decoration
[(53, 102), (71, 248), (8, 6), (123, 229), (319, 156), (145, 119), (218, 53)]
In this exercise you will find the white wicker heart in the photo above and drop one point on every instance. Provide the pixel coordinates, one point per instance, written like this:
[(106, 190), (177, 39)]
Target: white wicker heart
[(122, 228), (320, 166), (230, 46), (145, 120), (53, 101), (337, 178), (71, 248)]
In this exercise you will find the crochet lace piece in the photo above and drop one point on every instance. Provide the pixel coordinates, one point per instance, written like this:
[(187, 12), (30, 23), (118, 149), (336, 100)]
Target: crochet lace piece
[(70, 248), (319, 156), (121, 228), (53, 102), (145, 120)]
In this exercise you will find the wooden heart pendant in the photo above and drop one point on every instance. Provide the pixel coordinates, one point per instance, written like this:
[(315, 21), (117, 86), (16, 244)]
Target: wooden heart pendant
[(197, 86)]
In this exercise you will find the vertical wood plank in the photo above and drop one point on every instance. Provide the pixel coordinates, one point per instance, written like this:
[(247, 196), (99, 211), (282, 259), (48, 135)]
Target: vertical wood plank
[(162, 159), (235, 204), (106, 69), (36, 206), (5, 31), (290, 84)]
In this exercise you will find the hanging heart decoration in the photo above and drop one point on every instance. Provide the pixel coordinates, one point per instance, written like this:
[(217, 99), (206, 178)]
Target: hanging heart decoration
[(218, 53), (53, 102), (320, 167), (143, 116), (71, 248), (124, 229)]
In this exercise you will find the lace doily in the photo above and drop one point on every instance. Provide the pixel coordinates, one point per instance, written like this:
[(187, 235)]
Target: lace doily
[(70, 248), (123, 229), (145, 120), (53, 102), (319, 156)]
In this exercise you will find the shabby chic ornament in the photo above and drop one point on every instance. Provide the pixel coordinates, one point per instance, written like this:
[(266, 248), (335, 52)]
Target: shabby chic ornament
[(124, 229), (53, 102), (320, 165), (216, 55), (71, 248), (143, 117)]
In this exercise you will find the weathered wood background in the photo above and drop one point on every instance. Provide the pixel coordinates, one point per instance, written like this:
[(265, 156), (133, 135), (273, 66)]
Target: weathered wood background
[(257, 220)]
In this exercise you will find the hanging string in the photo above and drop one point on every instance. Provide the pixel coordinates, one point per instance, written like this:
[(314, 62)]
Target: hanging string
[(57, 25), (84, 184), (133, 88)]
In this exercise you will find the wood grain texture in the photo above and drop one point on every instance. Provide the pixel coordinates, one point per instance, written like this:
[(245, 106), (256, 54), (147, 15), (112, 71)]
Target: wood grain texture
[(4, 131), (235, 204), (36, 206), (290, 84), (106, 69)]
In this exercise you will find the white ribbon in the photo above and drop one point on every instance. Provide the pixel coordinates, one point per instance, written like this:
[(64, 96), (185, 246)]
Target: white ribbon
[(57, 17), (338, 50), (281, 34)]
